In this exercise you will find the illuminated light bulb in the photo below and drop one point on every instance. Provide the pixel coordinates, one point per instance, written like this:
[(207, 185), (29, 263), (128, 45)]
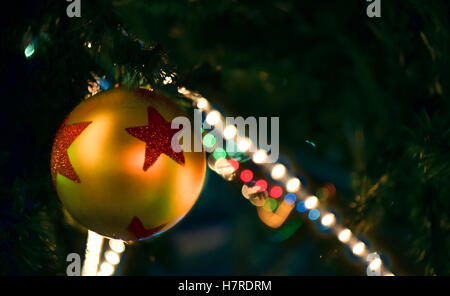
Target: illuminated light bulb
[(262, 184), (182, 90), (314, 214), (89, 45), (117, 245), (276, 191), (259, 156), (209, 141), (278, 171), (244, 145), (359, 248), (290, 198), (112, 257), (388, 273), (167, 80), (106, 269), (345, 235), (246, 175), (311, 202), (213, 117), (375, 264), (219, 153), (93, 249), (223, 167), (229, 132), (328, 220), (293, 185), (201, 103)]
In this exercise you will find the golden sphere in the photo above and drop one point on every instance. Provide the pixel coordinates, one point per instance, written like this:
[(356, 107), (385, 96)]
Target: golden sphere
[(114, 170)]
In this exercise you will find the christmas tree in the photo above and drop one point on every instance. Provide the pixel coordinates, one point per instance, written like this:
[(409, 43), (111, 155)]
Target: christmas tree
[(362, 102)]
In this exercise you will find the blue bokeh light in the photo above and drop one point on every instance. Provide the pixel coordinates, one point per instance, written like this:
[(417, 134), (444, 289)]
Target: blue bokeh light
[(314, 214)]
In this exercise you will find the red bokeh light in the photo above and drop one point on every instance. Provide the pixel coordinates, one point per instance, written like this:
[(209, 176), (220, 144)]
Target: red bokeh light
[(262, 184), (276, 191), (246, 176)]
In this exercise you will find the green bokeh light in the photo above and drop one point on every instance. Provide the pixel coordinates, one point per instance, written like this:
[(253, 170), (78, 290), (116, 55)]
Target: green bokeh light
[(271, 204), (29, 50), (219, 153), (209, 140)]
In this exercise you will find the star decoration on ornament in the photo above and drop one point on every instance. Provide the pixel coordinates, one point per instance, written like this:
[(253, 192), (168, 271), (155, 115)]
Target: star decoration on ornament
[(60, 162), (137, 229), (157, 135)]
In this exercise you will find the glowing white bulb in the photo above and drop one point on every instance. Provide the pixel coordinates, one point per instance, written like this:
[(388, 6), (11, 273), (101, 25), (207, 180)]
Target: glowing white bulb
[(117, 245), (244, 145), (112, 257), (213, 117), (293, 185), (167, 80), (345, 235), (229, 132), (259, 156), (375, 264), (278, 171), (106, 269), (328, 220), (359, 249), (93, 249), (202, 103), (311, 202)]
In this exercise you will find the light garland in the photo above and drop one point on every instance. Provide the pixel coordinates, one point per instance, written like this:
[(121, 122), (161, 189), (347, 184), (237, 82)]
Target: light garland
[(296, 198), (94, 247)]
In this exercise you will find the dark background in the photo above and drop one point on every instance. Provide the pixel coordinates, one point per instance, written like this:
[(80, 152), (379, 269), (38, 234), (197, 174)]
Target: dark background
[(371, 94)]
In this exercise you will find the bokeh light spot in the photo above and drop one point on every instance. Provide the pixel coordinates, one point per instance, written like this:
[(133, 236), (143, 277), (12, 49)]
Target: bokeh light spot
[(290, 198), (314, 214), (275, 191), (246, 176), (209, 140), (219, 153), (262, 184)]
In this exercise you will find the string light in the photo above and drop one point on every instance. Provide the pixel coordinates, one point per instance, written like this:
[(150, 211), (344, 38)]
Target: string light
[(244, 145), (213, 117), (112, 257), (328, 220), (276, 191), (246, 175), (229, 132), (375, 264), (106, 269), (92, 257), (311, 202), (278, 172), (260, 156), (201, 103), (359, 248), (117, 245), (345, 235), (29, 50), (262, 184), (293, 185)]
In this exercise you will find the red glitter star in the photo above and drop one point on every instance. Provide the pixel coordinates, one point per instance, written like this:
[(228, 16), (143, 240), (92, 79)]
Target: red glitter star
[(137, 228), (158, 136), (60, 162)]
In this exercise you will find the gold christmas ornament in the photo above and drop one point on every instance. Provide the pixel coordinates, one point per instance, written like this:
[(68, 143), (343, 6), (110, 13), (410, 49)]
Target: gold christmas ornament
[(114, 170)]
